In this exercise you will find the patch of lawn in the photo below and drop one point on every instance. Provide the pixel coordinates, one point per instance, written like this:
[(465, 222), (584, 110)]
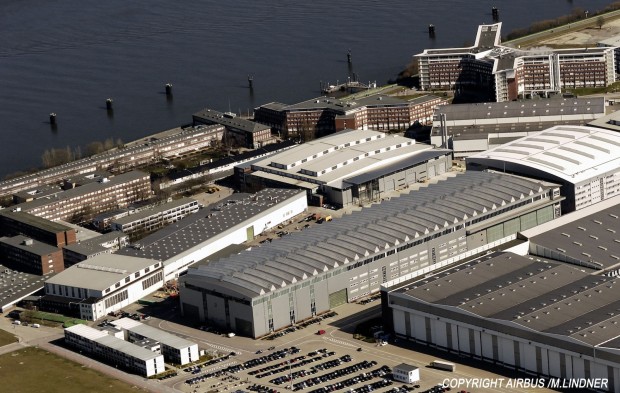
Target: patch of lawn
[(6, 338), (53, 374)]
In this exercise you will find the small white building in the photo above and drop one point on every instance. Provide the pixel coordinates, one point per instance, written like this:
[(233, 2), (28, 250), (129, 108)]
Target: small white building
[(175, 349), (406, 373), (114, 350), (105, 283)]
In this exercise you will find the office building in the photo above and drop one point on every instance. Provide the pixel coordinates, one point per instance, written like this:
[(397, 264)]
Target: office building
[(149, 220), (102, 244), (31, 256), (115, 351), (175, 349), (239, 132), (16, 222), (514, 73)]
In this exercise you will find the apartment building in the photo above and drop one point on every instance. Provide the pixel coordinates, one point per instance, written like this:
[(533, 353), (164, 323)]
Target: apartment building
[(83, 203)]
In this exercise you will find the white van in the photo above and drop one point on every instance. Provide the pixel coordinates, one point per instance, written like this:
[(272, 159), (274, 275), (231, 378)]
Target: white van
[(17, 322), (36, 325)]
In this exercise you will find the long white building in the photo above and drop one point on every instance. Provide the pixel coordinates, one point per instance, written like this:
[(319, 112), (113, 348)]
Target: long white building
[(175, 349), (585, 160), (107, 282), (115, 351), (234, 220)]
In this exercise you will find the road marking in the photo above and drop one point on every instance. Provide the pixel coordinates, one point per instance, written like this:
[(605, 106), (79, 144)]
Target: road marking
[(341, 342), (219, 367)]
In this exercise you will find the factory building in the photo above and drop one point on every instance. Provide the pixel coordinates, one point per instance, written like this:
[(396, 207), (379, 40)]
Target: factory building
[(102, 284), (304, 274), (514, 73), (175, 349), (115, 351), (351, 167), (585, 160), (468, 129), (233, 220), (535, 316)]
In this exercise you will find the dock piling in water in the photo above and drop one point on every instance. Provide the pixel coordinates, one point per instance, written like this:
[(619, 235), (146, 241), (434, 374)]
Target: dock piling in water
[(168, 89), (108, 104), (251, 81), (431, 30), (349, 57), (495, 14), (52, 118)]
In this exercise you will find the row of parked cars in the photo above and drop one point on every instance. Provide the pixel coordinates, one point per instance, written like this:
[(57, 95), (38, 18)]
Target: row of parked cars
[(364, 377), (313, 370), (34, 325), (335, 374)]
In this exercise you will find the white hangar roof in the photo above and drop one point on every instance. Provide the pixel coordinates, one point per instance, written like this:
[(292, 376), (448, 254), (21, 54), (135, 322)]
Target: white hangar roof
[(571, 153)]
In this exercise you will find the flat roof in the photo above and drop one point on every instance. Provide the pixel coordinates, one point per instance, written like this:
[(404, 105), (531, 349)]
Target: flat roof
[(15, 285), (571, 153), (542, 296), (101, 271), (95, 245), (609, 122), (591, 236), (28, 244), (34, 221), (164, 207), (321, 248), (512, 110), (208, 224), (153, 333), (229, 120)]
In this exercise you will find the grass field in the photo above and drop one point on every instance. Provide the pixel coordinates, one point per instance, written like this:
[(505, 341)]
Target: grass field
[(53, 374), (6, 338)]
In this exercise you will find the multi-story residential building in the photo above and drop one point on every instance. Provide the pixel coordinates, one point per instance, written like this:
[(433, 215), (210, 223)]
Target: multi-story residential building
[(325, 115), (31, 256), (172, 143), (511, 73), (83, 203)]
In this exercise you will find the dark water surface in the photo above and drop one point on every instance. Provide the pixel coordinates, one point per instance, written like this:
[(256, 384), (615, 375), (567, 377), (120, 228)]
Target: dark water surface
[(68, 56)]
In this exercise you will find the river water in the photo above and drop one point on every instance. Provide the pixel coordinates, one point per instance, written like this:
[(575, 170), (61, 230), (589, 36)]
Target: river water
[(69, 56)]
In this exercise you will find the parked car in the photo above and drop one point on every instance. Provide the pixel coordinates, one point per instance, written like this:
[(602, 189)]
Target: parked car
[(320, 332)]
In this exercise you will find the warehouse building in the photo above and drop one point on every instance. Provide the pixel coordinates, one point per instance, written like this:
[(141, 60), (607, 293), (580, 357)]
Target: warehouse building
[(584, 160), (514, 73), (175, 349), (233, 220), (351, 167), (115, 351), (102, 284), (535, 316), (468, 129), (149, 220), (307, 273)]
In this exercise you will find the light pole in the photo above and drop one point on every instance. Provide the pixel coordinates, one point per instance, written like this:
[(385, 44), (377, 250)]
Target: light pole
[(290, 374)]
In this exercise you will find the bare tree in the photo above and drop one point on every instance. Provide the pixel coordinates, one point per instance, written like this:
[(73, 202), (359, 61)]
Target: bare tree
[(600, 21)]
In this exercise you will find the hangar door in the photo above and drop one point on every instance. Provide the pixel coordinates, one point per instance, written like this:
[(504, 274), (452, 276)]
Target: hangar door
[(338, 298)]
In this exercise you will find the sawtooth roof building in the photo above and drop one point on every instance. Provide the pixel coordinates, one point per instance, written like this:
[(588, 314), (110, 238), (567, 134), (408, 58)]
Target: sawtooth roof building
[(351, 167), (468, 129), (304, 274), (585, 160), (513, 73)]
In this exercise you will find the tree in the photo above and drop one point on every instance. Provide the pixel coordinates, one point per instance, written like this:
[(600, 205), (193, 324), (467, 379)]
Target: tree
[(600, 21)]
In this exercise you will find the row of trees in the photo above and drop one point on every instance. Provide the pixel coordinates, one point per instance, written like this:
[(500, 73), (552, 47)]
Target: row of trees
[(577, 14), (58, 156)]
